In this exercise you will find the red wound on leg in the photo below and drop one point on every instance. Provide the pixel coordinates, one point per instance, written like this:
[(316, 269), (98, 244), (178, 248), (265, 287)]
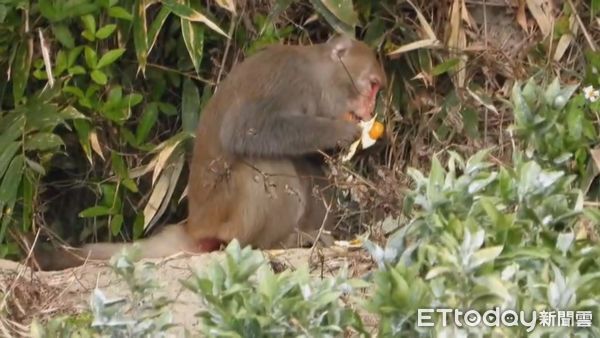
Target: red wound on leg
[(209, 244)]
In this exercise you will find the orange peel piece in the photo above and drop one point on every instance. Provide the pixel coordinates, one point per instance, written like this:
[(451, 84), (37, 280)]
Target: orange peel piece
[(371, 131)]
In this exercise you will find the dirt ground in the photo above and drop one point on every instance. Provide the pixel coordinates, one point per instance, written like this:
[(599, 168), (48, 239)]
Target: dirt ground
[(43, 295)]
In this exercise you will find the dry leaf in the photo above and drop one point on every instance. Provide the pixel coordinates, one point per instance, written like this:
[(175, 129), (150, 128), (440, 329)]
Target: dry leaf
[(540, 10), (161, 159), (565, 40), (46, 57), (480, 100), (427, 43), (199, 17), (430, 42), (162, 192), (457, 40), (227, 4), (424, 24), (95, 143), (596, 157), (521, 16)]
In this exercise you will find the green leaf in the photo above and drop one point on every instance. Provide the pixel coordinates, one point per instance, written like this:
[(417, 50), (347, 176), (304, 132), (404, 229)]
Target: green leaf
[(118, 165), (91, 58), (138, 226), (147, 122), (106, 31), (63, 35), (7, 155), (523, 115), (109, 194), (445, 67), (156, 26), (140, 34), (435, 182), (110, 57), (75, 91), (60, 63), (11, 133), (71, 113), (73, 55), (95, 211), (3, 13), (43, 141), (115, 224), (120, 13), (343, 10), (12, 180), (83, 129), (130, 185), (99, 77), (471, 122), (484, 256), (89, 23), (20, 71), (337, 23), (190, 106), (193, 36), (564, 95), (88, 36), (114, 96), (133, 99), (552, 91), (47, 10), (167, 108), (29, 188)]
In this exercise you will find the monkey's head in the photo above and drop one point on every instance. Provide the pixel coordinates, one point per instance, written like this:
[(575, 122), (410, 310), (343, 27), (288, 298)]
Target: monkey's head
[(360, 74)]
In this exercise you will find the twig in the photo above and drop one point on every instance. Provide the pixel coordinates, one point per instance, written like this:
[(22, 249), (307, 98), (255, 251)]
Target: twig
[(588, 38), (232, 25), (20, 273), (321, 229), (195, 77)]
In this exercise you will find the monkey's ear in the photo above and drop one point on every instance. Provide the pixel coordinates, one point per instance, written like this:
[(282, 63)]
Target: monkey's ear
[(340, 46)]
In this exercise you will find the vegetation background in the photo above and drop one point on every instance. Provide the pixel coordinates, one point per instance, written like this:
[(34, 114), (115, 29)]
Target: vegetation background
[(101, 100)]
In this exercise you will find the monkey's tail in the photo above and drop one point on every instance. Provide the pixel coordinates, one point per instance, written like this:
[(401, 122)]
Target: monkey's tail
[(169, 241)]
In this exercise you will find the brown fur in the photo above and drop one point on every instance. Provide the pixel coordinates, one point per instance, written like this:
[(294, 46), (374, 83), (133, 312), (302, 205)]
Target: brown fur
[(251, 176)]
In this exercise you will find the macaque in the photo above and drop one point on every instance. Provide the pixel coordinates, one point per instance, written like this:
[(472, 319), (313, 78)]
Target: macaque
[(256, 166)]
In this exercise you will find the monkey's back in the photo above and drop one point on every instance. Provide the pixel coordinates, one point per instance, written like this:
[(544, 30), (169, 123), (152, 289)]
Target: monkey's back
[(224, 188)]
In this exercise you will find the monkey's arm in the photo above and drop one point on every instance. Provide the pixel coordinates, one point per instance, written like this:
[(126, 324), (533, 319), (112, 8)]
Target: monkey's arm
[(292, 135)]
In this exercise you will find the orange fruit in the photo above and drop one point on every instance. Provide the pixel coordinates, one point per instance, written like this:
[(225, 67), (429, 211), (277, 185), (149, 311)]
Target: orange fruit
[(377, 130)]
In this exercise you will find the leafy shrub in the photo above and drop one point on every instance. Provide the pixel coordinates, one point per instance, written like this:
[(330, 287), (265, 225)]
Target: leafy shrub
[(483, 235), (556, 127), (243, 297)]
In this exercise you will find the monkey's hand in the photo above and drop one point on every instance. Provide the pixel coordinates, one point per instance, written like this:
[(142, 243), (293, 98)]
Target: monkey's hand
[(346, 132)]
